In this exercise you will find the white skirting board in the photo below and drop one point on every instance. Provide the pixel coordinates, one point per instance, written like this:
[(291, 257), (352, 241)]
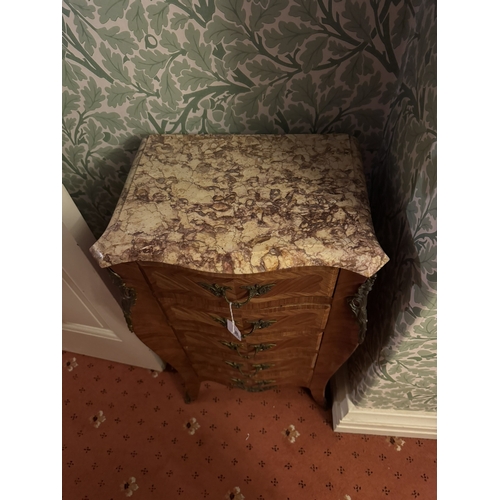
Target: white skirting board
[(398, 423)]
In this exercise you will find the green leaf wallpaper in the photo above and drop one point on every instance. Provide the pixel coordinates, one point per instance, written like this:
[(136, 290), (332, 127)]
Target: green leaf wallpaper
[(136, 67), (396, 367)]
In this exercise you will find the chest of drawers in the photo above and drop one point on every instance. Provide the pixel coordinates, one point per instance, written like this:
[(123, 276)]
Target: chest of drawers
[(271, 232)]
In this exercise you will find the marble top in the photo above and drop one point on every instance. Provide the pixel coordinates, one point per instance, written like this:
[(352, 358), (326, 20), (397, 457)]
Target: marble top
[(244, 204)]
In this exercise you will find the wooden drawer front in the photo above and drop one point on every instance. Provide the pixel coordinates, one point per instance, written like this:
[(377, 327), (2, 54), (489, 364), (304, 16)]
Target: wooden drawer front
[(254, 324), (179, 283), (260, 386), (250, 368), (295, 371), (288, 378), (190, 318), (221, 348)]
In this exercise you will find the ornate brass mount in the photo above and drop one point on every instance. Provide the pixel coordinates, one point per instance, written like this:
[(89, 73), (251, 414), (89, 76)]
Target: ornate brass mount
[(261, 347), (253, 291), (257, 368), (257, 347), (358, 306), (256, 325), (129, 297), (261, 385)]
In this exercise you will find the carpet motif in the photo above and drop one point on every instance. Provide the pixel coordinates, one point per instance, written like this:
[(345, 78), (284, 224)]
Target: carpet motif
[(128, 433)]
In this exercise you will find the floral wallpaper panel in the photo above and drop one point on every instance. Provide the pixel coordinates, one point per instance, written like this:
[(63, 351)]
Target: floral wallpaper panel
[(396, 368), (133, 68)]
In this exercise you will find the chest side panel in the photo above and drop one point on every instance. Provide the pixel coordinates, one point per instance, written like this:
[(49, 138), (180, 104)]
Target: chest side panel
[(341, 335), (151, 325)]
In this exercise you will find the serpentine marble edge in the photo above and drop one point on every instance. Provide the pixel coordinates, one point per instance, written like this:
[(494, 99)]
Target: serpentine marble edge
[(244, 204)]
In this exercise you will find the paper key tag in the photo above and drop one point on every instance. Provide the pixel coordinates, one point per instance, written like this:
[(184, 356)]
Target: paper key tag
[(233, 329)]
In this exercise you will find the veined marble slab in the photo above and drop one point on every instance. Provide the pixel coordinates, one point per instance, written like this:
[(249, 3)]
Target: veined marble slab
[(244, 204)]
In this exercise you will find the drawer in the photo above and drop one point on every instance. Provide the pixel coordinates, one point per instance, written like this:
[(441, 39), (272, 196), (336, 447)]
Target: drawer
[(260, 386), (219, 348), (297, 379), (290, 372), (251, 368), (180, 284), (257, 323), (281, 377)]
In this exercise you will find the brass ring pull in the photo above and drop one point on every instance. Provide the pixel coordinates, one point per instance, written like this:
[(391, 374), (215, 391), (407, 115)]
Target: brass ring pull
[(259, 325), (261, 347), (256, 325), (233, 347), (253, 291), (257, 348), (236, 366), (257, 368), (261, 385), (260, 367)]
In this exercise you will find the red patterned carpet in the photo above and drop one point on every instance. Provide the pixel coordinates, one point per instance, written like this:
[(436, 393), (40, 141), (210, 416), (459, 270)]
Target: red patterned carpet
[(128, 433)]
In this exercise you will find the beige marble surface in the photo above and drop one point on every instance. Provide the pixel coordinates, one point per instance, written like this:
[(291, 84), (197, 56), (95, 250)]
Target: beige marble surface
[(244, 204)]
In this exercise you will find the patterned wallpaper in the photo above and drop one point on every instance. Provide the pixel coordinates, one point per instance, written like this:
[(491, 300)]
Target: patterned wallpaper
[(136, 67), (396, 367), (132, 68)]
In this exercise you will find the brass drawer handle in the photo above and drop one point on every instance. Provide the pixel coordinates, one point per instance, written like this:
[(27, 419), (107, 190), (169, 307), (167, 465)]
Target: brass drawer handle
[(260, 367), (236, 366), (253, 291), (256, 325), (259, 325), (220, 320), (257, 368), (261, 385), (215, 289), (257, 347), (233, 347), (262, 347)]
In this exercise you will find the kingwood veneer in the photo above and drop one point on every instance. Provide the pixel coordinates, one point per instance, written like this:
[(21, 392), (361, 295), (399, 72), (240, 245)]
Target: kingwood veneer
[(277, 227)]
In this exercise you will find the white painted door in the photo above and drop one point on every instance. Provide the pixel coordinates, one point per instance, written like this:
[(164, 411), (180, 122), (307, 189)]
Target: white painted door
[(93, 322)]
